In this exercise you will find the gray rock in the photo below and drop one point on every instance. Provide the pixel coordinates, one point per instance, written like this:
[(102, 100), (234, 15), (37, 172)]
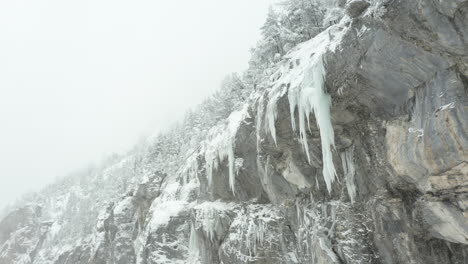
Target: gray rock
[(354, 8), (398, 81)]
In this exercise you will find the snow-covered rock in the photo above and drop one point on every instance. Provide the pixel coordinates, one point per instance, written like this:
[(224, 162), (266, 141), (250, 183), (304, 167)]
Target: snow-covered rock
[(354, 150)]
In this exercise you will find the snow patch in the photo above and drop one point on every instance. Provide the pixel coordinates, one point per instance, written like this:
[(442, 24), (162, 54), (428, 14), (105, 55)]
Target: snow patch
[(419, 131), (446, 107)]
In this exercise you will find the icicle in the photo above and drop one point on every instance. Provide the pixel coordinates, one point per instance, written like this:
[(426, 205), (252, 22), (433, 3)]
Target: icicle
[(298, 212), (255, 236), (270, 118), (232, 175), (347, 160), (304, 85), (259, 121), (334, 207), (220, 145), (194, 250), (261, 233), (248, 240), (209, 168), (209, 222), (313, 99)]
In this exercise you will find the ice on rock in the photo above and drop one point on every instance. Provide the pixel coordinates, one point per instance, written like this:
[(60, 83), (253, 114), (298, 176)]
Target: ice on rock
[(418, 131), (208, 213), (190, 169), (170, 203), (258, 127), (447, 106), (347, 160), (316, 228), (304, 85), (270, 117), (255, 236), (194, 250), (238, 163), (220, 145)]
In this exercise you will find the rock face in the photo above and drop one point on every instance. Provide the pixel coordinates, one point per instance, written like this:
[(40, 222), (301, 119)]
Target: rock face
[(397, 73)]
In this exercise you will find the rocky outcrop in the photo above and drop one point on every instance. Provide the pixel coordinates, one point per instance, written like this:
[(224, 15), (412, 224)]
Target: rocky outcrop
[(22, 234), (256, 191)]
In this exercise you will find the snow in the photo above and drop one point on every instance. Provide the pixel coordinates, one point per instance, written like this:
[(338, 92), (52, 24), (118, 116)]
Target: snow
[(419, 131), (167, 205), (217, 205), (376, 10), (123, 206), (447, 106), (362, 30), (304, 85), (54, 229)]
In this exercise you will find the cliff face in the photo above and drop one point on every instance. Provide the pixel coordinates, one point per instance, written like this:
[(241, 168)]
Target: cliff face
[(380, 175)]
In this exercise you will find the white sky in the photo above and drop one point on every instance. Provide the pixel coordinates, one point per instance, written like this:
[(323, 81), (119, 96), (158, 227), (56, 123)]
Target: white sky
[(81, 79)]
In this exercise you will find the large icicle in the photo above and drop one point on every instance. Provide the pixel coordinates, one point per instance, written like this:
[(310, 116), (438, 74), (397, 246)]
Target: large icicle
[(302, 78)]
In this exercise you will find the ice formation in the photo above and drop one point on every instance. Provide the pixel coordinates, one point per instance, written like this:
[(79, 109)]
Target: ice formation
[(258, 128), (255, 236), (315, 222), (349, 172), (419, 131), (302, 78), (220, 144), (194, 250), (447, 106), (190, 170), (208, 213)]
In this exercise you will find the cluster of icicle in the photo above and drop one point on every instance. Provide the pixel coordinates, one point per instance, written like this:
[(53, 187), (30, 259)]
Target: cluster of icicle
[(301, 77), (316, 227), (255, 236), (220, 144)]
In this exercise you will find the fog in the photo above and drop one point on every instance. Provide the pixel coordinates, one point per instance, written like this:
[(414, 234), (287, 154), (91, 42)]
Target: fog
[(82, 79)]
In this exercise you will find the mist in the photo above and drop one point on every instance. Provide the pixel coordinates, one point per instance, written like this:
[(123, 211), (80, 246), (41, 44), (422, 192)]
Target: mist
[(80, 80)]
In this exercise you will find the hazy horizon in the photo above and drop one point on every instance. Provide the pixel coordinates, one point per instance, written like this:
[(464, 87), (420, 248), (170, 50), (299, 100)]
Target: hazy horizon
[(82, 80)]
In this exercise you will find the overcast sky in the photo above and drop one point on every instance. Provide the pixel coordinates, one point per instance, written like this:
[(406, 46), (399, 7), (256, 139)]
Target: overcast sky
[(82, 79)]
